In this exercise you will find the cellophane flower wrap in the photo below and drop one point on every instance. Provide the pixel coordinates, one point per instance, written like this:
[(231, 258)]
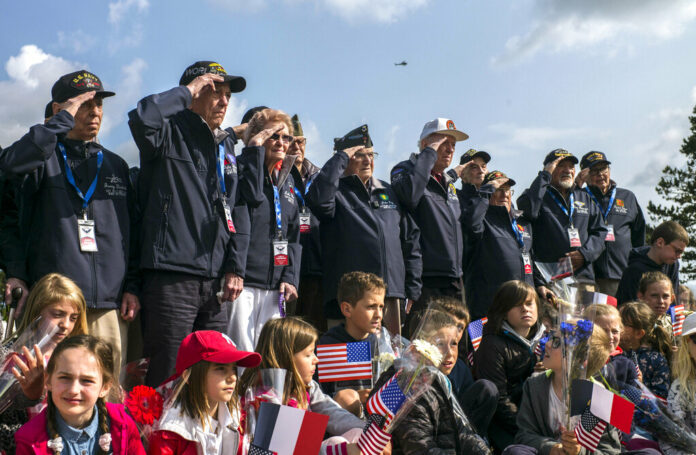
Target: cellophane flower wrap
[(385, 349), (652, 415), (41, 333), (145, 405), (270, 388)]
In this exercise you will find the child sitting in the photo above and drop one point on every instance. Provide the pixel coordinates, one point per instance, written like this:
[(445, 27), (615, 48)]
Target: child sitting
[(361, 301), (656, 290), (77, 419), (204, 417), (648, 344)]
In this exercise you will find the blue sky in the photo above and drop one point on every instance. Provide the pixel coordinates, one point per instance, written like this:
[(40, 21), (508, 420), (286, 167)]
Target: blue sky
[(520, 77)]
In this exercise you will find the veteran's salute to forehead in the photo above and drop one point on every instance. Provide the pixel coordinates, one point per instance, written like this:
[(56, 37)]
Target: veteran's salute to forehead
[(190, 183)]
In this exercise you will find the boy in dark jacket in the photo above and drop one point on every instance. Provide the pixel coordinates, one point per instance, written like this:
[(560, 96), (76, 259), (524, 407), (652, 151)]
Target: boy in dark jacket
[(669, 240), (361, 300)]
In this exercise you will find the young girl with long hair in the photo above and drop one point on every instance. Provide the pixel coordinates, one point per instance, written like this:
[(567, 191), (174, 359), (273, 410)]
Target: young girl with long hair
[(77, 419), (204, 415), (656, 290), (681, 399), (58, 301), (289, 344), (648, 344)]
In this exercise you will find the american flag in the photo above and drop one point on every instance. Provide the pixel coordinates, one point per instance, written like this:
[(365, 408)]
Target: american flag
[(589, 430), (255, 450), (344, 361), (677, 314), (373, 440), (476, 331), (565, 269), (387, 400)]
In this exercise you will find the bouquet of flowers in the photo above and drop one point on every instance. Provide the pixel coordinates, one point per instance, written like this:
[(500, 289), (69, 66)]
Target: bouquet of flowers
[(270, 388), (653, 416), (385, 348), (40, 333), (145, 406)]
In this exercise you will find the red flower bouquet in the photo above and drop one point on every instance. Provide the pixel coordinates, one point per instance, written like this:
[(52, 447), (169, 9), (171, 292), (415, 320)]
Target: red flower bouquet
[(144, 404)]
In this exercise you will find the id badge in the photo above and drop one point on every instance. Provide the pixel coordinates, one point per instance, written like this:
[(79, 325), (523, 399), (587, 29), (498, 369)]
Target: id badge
[(228, 217), (87, 234), (305, 222), (527, 260), (574, 237), (610, 233), (280, 253)]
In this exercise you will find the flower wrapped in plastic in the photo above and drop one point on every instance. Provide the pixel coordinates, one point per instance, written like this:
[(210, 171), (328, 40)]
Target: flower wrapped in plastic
[(653, 416), (385, 349), (559, 280), (270, 388), (145, 405), (42, 333)]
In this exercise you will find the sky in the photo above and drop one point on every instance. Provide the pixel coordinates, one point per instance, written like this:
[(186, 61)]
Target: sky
[(520, 77)]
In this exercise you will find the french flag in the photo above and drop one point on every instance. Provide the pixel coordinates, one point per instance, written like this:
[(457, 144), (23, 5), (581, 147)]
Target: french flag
[(612, 408), (588, 298), (289, 431)]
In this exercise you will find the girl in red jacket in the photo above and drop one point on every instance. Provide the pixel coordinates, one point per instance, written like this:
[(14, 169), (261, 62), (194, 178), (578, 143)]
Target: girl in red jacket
[(77, 419), (204, 417)]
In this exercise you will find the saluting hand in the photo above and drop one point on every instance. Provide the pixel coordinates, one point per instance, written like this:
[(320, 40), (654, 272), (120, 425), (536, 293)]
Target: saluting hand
[(197, 85), (73, 104), (262, 136), (434, 141), (550, 167), (351, 151), (581, 178), (463, 171), (497, 183)]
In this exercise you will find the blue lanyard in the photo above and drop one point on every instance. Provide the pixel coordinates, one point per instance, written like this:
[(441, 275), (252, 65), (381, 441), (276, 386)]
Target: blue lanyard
[(611, 201), (562, 206), (71, 179), (278, 215), (518, 234), (298, 193), (220, 167)]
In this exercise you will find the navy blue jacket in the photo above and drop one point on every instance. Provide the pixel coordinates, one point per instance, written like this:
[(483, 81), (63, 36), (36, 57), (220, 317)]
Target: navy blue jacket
[(260, 272), (629, 230), (184, 227), (363, 230), (12, 251), (51, 206), (638, 264), (436, 211), (310, 241), (494, 254), (551, 225)]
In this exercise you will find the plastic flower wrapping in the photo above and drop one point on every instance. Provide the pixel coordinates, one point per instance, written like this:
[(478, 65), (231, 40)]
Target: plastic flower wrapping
[(653, 416), (385, 348), (270, 388), (42, 333)]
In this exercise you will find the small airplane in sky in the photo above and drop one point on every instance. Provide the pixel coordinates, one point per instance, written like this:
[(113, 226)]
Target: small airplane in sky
[(404, 63)]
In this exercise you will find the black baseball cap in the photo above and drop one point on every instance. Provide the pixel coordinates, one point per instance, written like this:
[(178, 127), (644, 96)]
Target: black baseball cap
[(48, 111), (237, 83), (73, 84), (354, 137), (495, 175), (473, 153), (560, 153), (246, 118), (592, 158)]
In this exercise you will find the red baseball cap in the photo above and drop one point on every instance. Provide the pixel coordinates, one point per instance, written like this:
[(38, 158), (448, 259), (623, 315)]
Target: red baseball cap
[(212, 346)]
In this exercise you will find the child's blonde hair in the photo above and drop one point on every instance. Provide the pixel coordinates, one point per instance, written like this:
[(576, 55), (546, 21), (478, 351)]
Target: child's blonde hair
[(684, 369), (639, 315), (104, 355), (653, 277), (279, 341), (50, 289), (599, 350), (601, 310)]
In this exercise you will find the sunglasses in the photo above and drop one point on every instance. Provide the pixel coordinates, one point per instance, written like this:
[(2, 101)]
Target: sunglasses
[(284, 138), (369, 155)]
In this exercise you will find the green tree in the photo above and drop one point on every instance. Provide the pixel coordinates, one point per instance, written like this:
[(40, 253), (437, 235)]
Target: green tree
[(677, 187)]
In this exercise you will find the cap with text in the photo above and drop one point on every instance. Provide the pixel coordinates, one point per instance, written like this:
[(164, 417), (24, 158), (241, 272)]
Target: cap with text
[(77, 83), (473, 153), (593, 158), (237, 83), (495, 175), (560, 153)]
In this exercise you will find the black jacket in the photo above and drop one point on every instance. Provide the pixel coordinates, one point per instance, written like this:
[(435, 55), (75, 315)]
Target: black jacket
[(184, 228), (495, 256), (310, 241), (364, 230), (435, 425), (12, 250), (336, 335), (629, 230), (436, 211), (505, 360), (638, 264), (551, 224), (51, 207), (260, 270)]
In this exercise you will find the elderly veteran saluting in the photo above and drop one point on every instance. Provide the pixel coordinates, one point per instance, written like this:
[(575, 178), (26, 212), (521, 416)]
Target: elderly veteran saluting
[(565, 221), (189, 183)]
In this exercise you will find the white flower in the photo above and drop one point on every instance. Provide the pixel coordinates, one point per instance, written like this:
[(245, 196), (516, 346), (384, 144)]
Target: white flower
[(429, 351), (56, 444), (105, 442)]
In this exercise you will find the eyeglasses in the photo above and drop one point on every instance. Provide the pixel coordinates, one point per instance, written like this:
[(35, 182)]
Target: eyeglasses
[(299, 140), (369, 155), (598, 171), (284, 138), (677, 251), (554, 342)]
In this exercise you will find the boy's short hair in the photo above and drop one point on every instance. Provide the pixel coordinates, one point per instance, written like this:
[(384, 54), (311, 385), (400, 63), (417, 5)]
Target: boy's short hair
[(451, 306), (353, 286), (669, 231)]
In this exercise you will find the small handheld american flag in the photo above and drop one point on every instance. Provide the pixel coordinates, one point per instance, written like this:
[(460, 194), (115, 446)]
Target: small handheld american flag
[(589, 430), (476, 331), (344, 361), (677, 314), (387, 401)]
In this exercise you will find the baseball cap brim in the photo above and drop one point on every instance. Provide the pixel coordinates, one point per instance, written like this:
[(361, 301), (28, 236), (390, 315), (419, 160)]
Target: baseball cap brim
[(594, 163), (104, 94), (242, 358), (486, 157), (237, 83), (456, 134)]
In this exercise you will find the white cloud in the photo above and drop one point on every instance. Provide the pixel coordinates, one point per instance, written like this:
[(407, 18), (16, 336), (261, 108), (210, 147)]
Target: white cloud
[(317, 150), (128, 92), (384, 11), (24, 95), (77, 41), (120, 9), (569, 25)]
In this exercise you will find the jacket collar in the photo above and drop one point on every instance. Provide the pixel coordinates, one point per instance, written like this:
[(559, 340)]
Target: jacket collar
[(285, 170), (197, 121), (510, 332), (177, 421), (598, 194)]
